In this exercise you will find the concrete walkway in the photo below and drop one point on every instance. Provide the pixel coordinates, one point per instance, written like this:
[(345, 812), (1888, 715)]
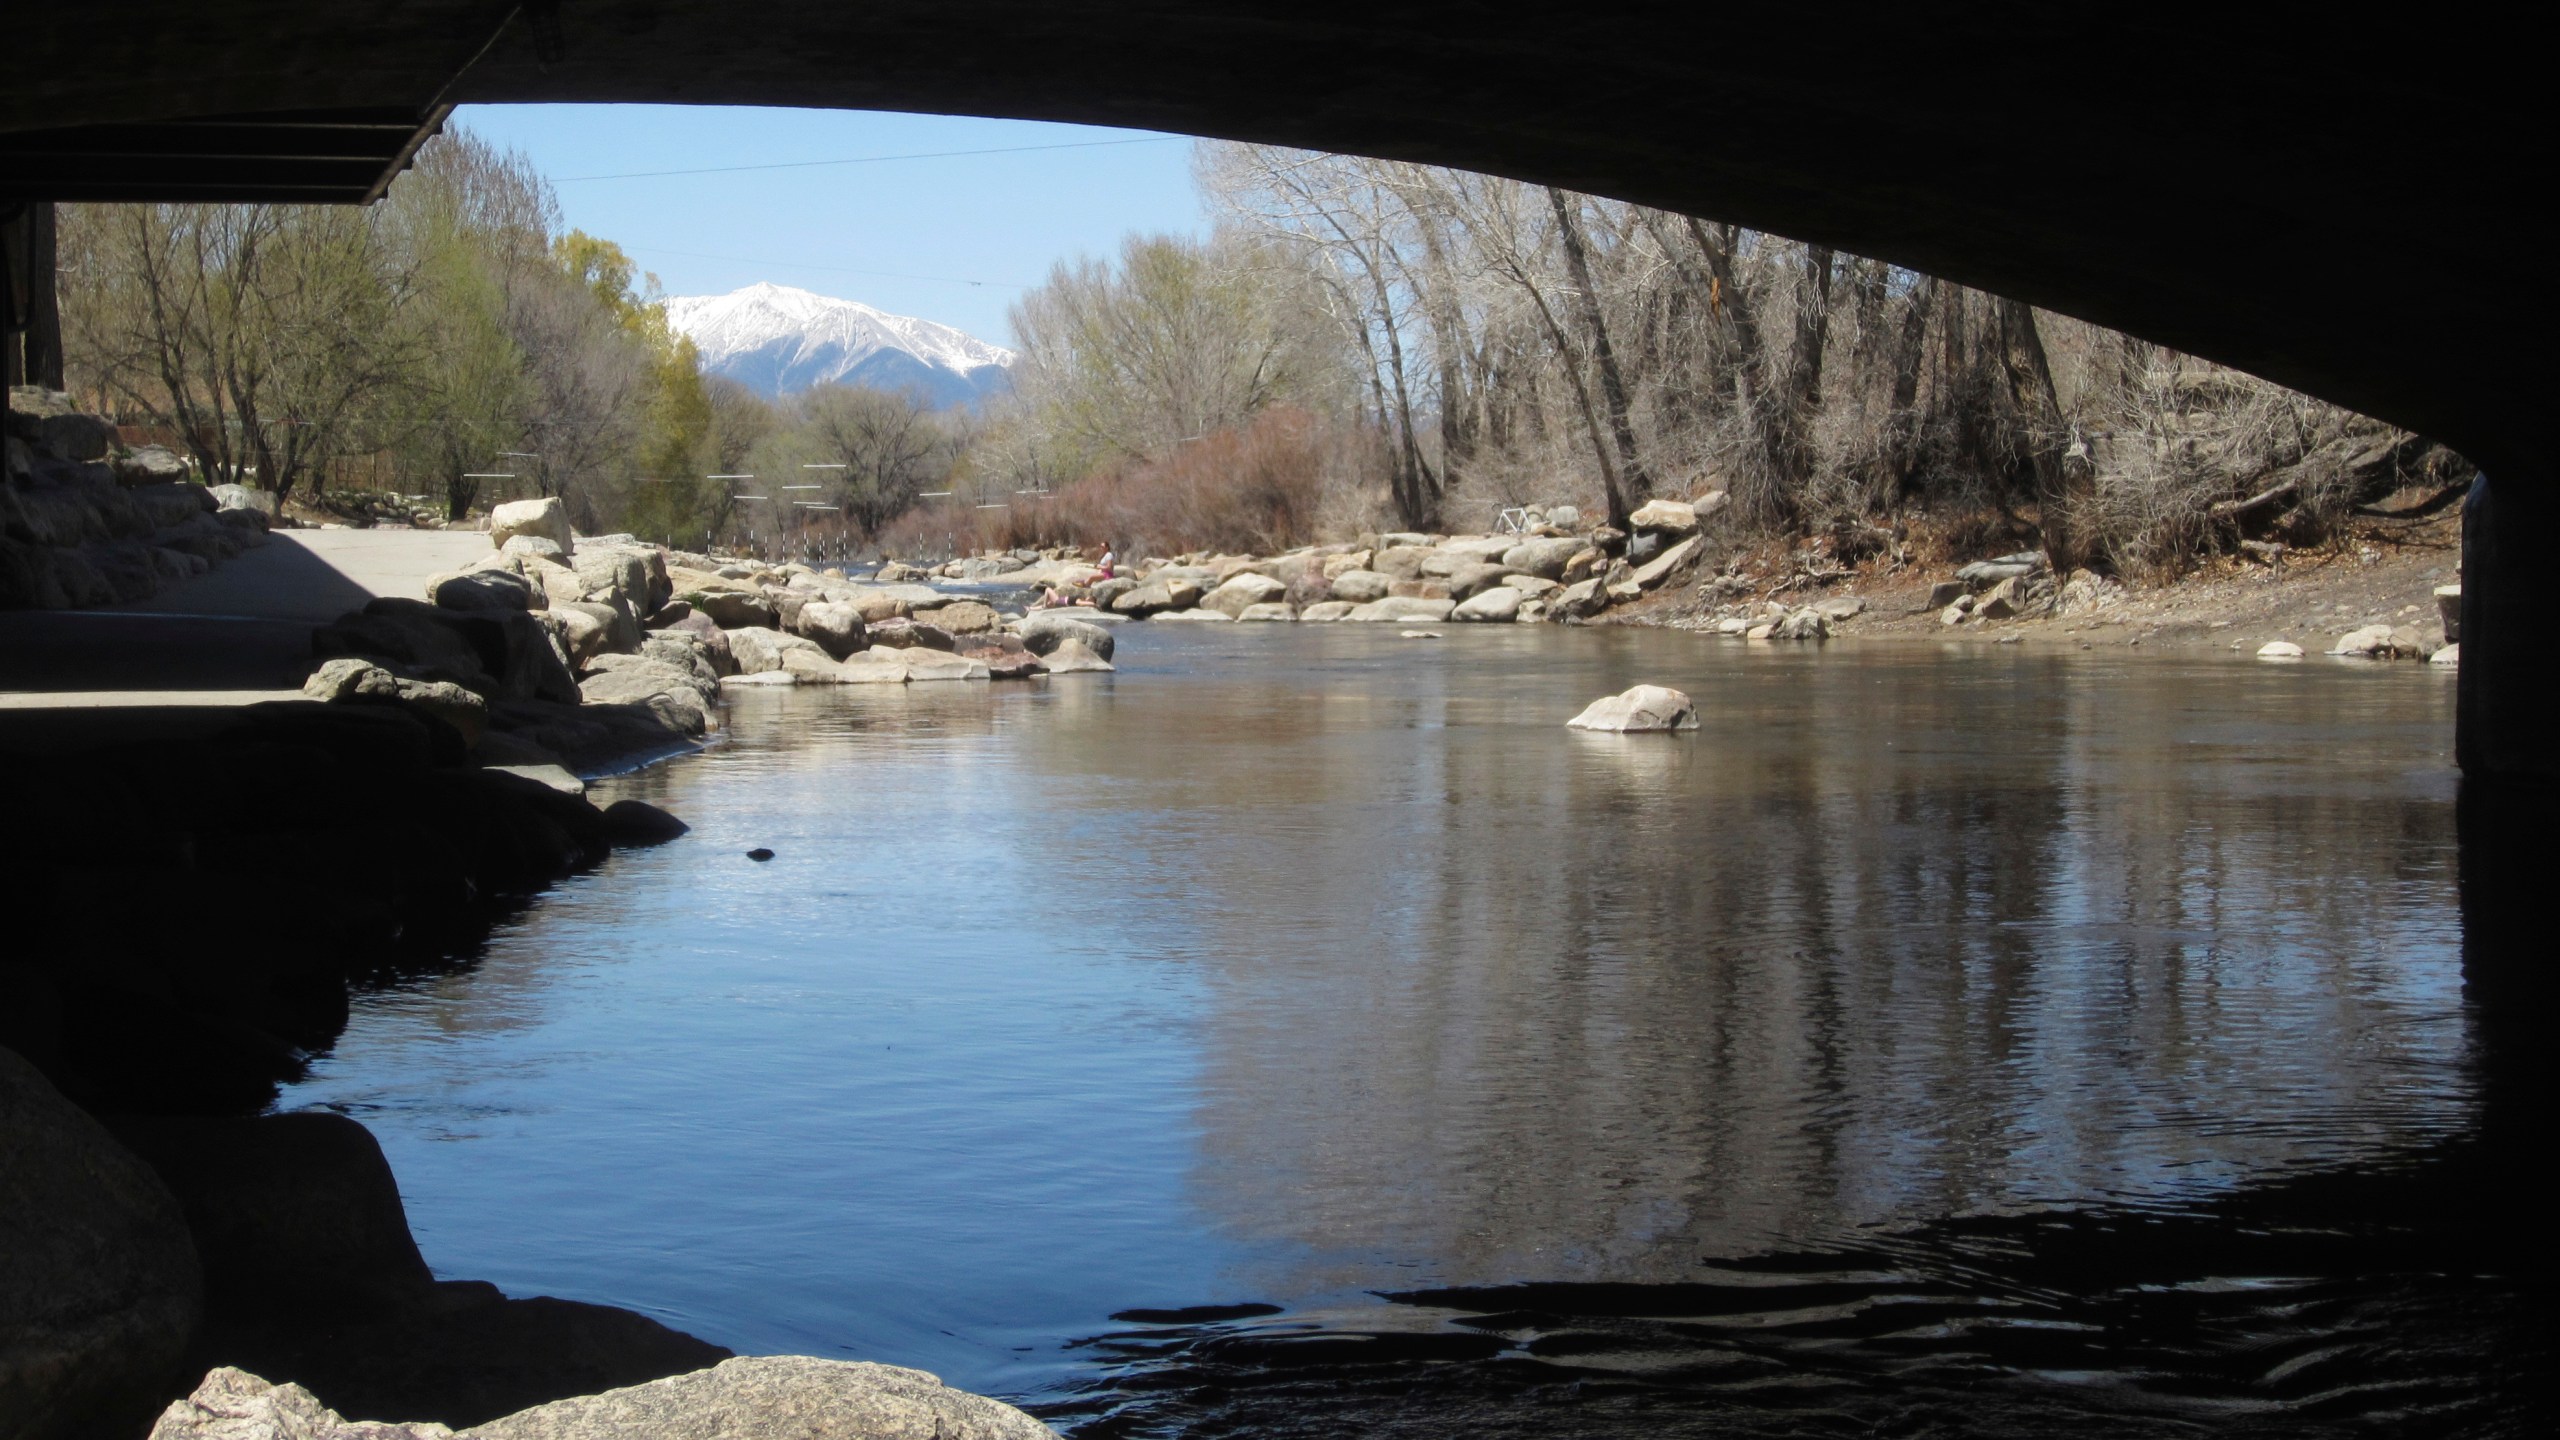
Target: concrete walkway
[(239, 634)]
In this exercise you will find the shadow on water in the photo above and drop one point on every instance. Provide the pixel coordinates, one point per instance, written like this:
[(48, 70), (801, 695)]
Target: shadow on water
[(1937, 1043)]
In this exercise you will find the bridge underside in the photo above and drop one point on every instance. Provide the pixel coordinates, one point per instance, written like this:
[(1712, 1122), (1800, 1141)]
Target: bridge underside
[(2331, 203)]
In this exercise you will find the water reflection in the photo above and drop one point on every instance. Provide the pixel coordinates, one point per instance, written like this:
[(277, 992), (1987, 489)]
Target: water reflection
[(1294, 964)]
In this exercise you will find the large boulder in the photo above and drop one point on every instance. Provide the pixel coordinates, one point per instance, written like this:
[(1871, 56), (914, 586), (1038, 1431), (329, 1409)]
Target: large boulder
[(912, 634), (1545, 559), (1045, 630), (1072, 656), (968, 617), (1663, 566), (1399, 562), (671, 667), (238, 497), (352, 679), (925, 664), (875, 606), (1157, 596), (1325, 612), (836, 626), (757, 651), (1500, 604), (546, 517), (100, 1290), (1646, 707), (664, 690), (1664, 517), (1243, 591), (1400, 608), (1475, 578), (483, 590), (733, 609), (1360, 586), (1267, 612), (767, 1397)]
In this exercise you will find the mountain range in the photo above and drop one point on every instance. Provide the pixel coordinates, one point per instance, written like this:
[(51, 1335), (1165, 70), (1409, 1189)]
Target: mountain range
[(779, 341)]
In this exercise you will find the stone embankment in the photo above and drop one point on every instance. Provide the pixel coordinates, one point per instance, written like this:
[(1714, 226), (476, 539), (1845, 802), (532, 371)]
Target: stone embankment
[(85, 522)]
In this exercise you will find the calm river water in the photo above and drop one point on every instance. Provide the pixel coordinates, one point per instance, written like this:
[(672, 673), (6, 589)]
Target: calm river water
[(1964, 1041)]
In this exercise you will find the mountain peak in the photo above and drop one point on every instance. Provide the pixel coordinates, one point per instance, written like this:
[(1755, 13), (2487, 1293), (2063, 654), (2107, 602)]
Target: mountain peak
[(780, 340)]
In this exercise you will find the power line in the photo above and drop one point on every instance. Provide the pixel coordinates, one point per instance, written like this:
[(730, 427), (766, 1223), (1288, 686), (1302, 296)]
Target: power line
[(832, 269), (871, 159)]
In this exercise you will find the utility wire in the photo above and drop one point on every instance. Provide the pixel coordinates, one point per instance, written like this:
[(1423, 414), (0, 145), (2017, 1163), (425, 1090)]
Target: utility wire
[(832, 269), (871, 159)]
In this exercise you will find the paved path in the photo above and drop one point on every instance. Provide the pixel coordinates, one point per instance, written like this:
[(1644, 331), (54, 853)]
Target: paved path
[(238, 634)]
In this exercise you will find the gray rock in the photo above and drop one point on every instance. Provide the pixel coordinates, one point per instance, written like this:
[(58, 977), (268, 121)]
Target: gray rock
[(1841, 607), (247, 497), (836, 626), (100, 1290), (546, 517), (1045, 630), (912, 634), (733, 609), (1243, 592), (554, 775), (1399, 609), (1499, 605), (1072, 656), (1646, 707), (1360, 586), (536, 547), (1155, 596), (75, 436), (1544, 558), (1326, 612), (1946, 593), (1475, 578), (154, 465), (670, 697), (664, 669), (1661, 567), (967, 617), (1804, 624), (482, 590), (236, 1405), (1983, 574), (1665, 517), (759, 650), (772, 1397), (637, 822), (1267, 612)]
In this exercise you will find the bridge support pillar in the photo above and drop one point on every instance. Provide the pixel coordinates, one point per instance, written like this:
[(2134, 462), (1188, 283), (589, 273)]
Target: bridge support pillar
[(2507, 705)]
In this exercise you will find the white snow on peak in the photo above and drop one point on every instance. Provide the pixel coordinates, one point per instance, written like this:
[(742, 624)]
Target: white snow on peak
[(780, 340)]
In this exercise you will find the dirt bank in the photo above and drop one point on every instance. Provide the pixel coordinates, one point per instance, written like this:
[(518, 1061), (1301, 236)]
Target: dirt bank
[(2381, 573)]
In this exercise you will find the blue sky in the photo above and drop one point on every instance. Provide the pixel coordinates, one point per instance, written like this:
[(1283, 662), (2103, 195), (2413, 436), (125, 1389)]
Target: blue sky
[(924, 228)]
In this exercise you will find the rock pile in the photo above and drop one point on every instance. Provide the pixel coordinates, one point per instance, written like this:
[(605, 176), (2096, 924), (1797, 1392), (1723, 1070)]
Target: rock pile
[(85, 521), (1551, 569)]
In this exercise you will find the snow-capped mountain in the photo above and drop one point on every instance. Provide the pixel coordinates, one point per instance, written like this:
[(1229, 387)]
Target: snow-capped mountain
[(779, 341)]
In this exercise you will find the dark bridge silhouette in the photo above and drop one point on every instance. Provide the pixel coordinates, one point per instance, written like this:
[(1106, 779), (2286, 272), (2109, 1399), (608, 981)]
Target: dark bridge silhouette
[(2343, 205)]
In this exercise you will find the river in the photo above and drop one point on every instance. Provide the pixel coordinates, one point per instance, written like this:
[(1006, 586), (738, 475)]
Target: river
[(1915, 1048)]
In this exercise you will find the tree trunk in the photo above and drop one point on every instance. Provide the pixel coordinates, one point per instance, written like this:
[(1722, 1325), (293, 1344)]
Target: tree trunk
[(1902, 421), (2064, 486), (1638, 485), (1791, 414), (44, 301)]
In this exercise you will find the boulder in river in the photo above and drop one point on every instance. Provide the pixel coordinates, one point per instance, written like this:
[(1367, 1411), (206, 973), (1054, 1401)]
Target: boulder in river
[(1270, 611), (1045, 630), (1325, 612), (1072, 656), (2279, 650), (1157, 596), (1644, 708), (967, 617), (2450, 655), (1475, 578)]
